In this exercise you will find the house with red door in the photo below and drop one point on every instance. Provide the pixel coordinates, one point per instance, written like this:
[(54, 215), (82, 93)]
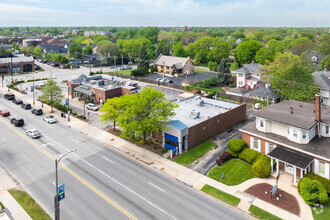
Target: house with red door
[(294, 134), (248, 77)]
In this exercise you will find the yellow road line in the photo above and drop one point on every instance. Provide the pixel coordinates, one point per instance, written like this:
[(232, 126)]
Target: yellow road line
[(73, 173)]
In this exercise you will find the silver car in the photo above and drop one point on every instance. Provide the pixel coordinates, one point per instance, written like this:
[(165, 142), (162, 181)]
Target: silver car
[(92, 106), (33, 133), (50, 119)]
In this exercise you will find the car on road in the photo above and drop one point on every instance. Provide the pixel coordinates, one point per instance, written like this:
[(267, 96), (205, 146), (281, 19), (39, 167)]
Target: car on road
[(112, 67), (92, 106), (4, 112), (33, 133), (26, 106), (9, 96), (37, 111), (17, 101), (50, 119), (125, 67), (17, 121), (163, 80), (42, 84)]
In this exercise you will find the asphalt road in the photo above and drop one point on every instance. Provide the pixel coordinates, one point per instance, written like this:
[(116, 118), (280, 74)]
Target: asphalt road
[(101, 183)]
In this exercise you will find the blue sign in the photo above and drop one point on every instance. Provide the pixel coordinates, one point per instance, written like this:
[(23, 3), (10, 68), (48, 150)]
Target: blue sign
[(32, 89), (61, 192), (274, 189), (222, 175), (66, 102)]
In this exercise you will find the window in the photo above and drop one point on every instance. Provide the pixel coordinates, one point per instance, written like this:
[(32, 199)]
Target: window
[(321, 167), (327, 128), (255, 144), (304, 135), (270, 147), (261, 123), (168, 67), (288, 130), (240, 75), (295, 133), (170, 142), (240, 83)]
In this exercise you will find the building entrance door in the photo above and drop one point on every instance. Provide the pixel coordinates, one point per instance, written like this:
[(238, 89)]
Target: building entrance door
[(289, 168)]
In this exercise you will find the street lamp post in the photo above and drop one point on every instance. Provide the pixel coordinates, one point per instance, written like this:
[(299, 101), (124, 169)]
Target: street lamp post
[(68, 104), (84, 108), (57, 203), (33, 88)]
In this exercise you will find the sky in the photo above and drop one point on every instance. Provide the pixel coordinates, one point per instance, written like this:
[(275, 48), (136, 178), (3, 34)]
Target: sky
[(202, 13)]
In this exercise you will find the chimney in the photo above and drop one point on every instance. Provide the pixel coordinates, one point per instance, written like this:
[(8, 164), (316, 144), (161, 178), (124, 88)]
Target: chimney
[(252, 61), (317, 108)]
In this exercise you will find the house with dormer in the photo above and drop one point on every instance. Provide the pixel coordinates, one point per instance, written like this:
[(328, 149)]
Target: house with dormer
[(248, 77), (322, 79), (315, 57), (294, 134), (175, 66)]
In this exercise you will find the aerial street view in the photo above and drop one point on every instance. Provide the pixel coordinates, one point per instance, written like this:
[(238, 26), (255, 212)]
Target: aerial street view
[(165, 109)]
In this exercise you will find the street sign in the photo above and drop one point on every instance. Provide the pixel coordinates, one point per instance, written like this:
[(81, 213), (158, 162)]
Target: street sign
[(222, 175), (66, 102), (274, 189), (61, 192), (32, 89)]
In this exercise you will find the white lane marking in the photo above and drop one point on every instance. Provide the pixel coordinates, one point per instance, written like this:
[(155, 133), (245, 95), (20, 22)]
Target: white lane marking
[(77, 142), (108, 160), (157, 187), (45, 145), (116, 181), (53, 183)]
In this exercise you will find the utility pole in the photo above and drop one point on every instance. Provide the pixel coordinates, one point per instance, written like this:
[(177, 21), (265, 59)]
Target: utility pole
[(163, 70), (268, 91), (122, 59)]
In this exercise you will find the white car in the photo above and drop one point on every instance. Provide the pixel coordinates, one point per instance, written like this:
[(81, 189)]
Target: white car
[(42, 84), (33, 133), (50, 119), (92, 106), (162, 79)]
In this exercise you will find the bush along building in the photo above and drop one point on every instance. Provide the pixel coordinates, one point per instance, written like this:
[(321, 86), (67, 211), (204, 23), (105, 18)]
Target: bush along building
[(295, 134), (198, 119)]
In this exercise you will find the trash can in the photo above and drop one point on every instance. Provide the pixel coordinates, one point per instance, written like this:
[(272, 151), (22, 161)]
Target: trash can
[(62, 114)]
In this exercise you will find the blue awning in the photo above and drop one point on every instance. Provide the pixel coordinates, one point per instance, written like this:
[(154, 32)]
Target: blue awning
[(171, 137), (170, 147)]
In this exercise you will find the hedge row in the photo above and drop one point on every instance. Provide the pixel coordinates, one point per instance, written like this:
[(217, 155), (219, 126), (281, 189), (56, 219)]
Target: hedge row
[(235, 146)]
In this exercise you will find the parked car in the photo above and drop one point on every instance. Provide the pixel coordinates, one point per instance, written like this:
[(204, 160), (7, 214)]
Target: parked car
[(125, 67), (50, 119), (42, 84), (45, 61), (33, 133), (92, 106), (4, 112), (9, 96), (76, 66), (163, 80), (26, 106), (113, 67), (37, 111), (17, 121), (17, 101)]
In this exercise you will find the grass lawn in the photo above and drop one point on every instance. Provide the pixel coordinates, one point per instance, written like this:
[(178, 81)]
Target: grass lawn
[(322, 213), (218, 89), (29, 205), (235, 172), (190, 156), (200, 70), (125, 72), (225, 197), (262, 214)]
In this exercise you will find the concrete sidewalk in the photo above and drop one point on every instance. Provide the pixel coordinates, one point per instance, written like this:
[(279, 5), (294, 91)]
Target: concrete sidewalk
[(183, 174)]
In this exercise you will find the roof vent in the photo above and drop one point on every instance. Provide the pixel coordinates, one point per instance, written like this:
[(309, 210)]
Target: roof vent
[(291, 112), (291, 108), (200, 103), (194, 114)]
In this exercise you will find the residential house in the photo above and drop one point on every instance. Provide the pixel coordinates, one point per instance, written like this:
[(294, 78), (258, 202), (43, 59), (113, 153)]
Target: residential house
[(264, 93), (295, 134), (91, 58), (322, 78), (99, 88), (57, 42), (315, 57), (175, 66), (198, 119), (48, 48), (248, 77)]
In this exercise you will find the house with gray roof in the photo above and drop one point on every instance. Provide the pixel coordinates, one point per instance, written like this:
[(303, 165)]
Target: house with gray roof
[(315, 57), (322, 78), (263, 93), (295, 134), (175, 66), (248, 77)]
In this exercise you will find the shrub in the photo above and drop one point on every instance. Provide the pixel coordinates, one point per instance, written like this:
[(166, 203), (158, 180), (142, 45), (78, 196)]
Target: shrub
[(91, 73), (261, 157), (74, 113), (80, 116), (249, 155), (212, 66), (312, 191), (235, 146), (153, 69), (140, 72), (325, 182), (223, 158), (164, 150), (262, 168)]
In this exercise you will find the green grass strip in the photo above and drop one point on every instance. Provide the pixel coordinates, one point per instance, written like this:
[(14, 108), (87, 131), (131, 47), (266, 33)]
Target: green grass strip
[(218, 194), (262, 214)]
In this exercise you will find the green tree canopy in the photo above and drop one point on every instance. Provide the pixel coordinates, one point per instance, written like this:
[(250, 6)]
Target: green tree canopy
[(223, 72), (88, 50), (61, 58), (151, 33), (163, 48), (138, 115), (325, 63), (178, 50), (108, 50), (268, 52), (302, 45), (324, 43), (98, 38), (234, 66), (143, 59), (51, 92), (37, 51), (75, 50), (166, 36), (246, 51)]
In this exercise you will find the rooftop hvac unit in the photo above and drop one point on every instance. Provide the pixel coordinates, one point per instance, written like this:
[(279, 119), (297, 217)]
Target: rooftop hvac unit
[(194, 114), (200, 103), (100, 83)]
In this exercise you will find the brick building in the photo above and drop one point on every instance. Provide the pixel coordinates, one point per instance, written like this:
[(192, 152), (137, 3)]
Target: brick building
[(295, 134), (16, 65)]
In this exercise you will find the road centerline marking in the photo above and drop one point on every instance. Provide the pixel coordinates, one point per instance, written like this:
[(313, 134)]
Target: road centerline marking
[(156, 187)]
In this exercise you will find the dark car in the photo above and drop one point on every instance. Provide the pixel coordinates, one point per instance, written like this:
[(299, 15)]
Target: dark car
[(37, 111), (9, 96), (17, 121), (17, 101), (26, 105)]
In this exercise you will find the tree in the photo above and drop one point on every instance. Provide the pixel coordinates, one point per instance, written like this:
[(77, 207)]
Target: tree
[(52, 93), (88, 50), (27, 50), (325, 63), (166, 36), (212, 65), (37, 51), (132, 47), (98, 38), (234, 66), (290, 75), (223, 72), (200, 49), (219, 51), (75, 50), (151, 33), (302, 45), (163, 48), (324, 43), (143, 60), (15, 46), (109, 50), (111, 110), (268, 53), (178, 50), (61, 58), (87, 41), (246, 51), (140, 114), (2, 51)]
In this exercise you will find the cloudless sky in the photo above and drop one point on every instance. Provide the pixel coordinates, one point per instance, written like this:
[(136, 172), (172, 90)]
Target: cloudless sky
[(258, 13)]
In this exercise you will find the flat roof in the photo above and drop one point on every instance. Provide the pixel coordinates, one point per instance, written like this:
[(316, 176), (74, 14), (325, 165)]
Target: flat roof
[(207, 108), (16, 59)]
